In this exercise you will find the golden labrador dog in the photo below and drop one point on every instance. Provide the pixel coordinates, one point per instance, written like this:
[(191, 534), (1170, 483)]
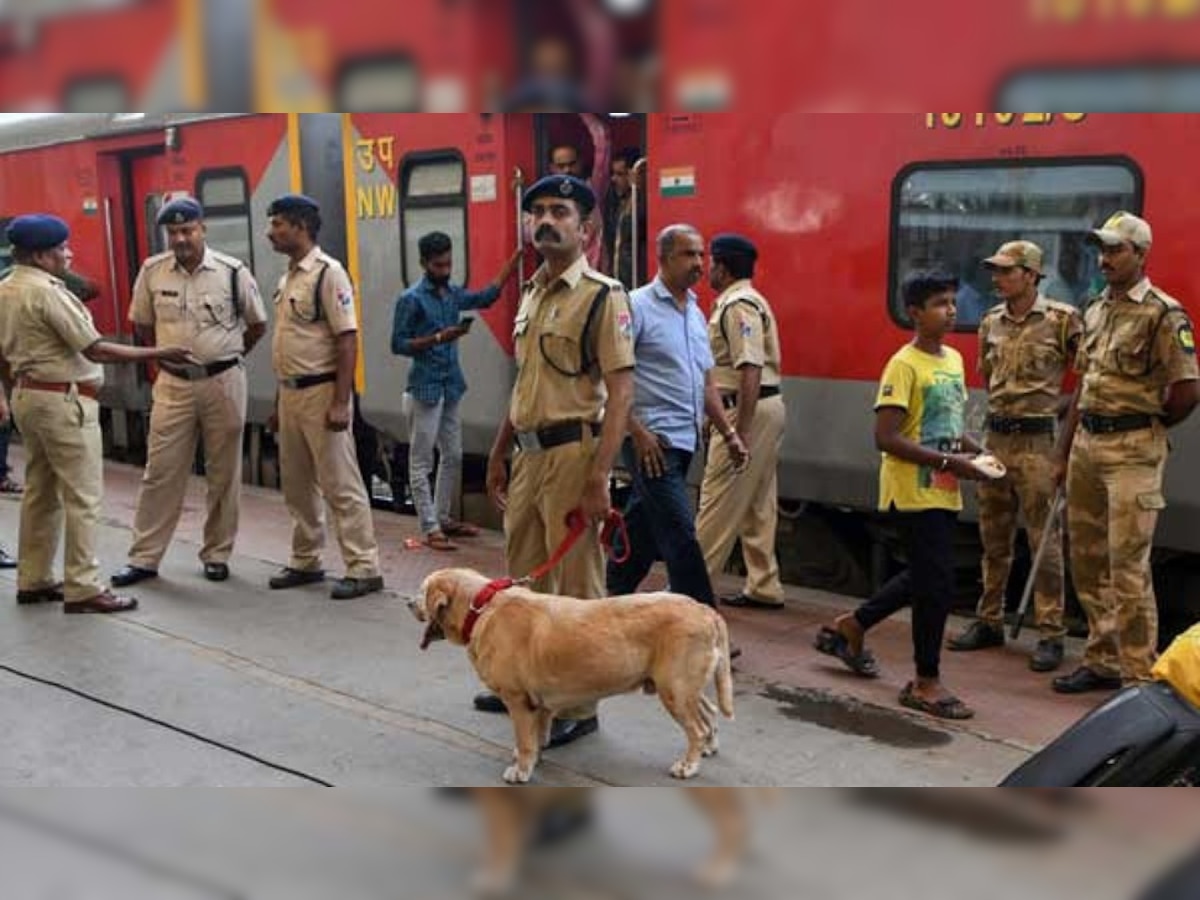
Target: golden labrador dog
[(510, 817), (541, 654)]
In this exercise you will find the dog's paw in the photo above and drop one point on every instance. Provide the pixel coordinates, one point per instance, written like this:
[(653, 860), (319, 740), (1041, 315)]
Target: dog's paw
[(516, 775), (683, 770), (712, 748)]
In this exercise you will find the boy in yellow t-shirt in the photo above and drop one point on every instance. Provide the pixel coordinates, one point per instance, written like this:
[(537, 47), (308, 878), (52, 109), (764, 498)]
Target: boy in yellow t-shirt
[(919, 413)]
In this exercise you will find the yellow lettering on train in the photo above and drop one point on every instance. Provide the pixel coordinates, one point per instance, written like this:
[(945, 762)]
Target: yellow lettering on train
[(376, 201), (369, 150), (954, 121), (1076, 11)]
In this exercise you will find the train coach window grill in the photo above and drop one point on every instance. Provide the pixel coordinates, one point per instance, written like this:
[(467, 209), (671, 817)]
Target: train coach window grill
[(225, 196), (433, 198), (954, 216)]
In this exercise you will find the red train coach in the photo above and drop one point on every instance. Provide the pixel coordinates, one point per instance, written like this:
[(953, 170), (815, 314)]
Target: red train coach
[(840, 205)]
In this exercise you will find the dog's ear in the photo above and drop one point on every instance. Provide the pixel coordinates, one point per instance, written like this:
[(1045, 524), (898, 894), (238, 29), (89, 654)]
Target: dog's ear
[(437, 598)]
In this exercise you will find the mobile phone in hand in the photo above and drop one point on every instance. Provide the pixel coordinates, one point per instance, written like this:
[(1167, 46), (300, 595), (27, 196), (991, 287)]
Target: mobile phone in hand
[(467, 322)]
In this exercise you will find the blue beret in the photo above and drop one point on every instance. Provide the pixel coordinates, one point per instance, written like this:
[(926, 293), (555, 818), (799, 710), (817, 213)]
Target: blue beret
[(291, 203), (733, 245), (37, 232), (180, 212), (566, 186)]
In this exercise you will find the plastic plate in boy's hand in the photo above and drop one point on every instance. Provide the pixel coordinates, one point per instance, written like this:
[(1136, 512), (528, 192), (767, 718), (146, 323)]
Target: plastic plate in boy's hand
[(989, 466)]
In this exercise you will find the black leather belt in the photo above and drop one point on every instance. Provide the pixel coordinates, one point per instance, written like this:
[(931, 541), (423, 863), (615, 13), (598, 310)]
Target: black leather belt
[(300, 382), (1094, 424), (554, 436), (729, 401), (201, 371), (1030, 425)]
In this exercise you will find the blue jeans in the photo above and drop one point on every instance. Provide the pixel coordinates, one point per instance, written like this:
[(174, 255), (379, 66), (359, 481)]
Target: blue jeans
[(434, 426), (662, 526)]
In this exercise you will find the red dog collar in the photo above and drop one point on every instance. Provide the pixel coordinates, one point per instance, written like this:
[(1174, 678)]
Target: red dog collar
[(480, 604)]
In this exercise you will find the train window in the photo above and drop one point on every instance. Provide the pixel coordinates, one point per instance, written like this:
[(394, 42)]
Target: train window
[(1150, 88), (953, 216), (156, 237), (379, 84), (103, 94), (225, 196), (434, 199)]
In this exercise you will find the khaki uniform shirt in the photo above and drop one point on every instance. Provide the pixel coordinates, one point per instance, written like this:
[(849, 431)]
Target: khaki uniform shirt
[(197, 310), (742, 332), (1133, 348), (44, 329), (305, 339), (1023, 361), (560, 370)]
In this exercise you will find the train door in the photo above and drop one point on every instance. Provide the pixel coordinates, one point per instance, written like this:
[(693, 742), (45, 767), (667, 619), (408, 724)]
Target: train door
[(134, 183), (606, 149)]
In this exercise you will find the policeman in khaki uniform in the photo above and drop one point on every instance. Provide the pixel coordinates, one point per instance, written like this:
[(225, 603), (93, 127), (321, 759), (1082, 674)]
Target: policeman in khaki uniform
[(314, 352), (569, 410), (743, 503), (51, 353), (1138, 377), (208, 302), (1026, 344)]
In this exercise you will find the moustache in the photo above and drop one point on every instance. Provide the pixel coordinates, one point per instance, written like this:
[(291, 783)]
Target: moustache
[(546, 233)]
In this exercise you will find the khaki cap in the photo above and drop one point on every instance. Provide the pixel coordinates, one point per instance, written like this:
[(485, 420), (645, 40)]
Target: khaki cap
[(1025, 254), (1122, 227)]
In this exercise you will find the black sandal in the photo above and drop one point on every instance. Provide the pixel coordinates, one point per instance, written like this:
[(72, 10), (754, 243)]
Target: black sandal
[(834, 643)]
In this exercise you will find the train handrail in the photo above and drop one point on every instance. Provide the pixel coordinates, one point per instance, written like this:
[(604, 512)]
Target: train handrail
[(112, 264), (519, 196), (639, 166)]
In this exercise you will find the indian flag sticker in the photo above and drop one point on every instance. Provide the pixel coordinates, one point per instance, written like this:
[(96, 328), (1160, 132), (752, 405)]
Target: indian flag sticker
[(678, 182)]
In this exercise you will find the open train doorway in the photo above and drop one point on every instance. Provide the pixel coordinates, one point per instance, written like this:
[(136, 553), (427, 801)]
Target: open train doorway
[(604, 150)]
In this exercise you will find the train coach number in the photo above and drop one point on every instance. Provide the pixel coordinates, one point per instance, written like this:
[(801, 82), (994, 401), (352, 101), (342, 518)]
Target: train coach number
[(982, 120)]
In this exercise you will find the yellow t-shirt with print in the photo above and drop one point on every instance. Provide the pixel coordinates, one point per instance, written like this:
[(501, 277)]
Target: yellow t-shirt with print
[(932, 391)]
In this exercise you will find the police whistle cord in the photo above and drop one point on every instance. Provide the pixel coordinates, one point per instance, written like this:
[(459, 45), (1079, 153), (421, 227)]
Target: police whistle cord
[(577, 524), (91, 698)]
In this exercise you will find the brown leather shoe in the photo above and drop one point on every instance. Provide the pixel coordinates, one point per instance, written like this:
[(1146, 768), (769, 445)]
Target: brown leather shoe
[(103, 603)]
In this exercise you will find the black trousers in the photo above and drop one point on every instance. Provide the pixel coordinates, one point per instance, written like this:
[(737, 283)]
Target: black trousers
[(661, 525), (927, 585)]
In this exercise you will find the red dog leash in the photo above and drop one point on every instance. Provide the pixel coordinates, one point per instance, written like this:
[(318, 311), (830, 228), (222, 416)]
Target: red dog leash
[(577, 525)]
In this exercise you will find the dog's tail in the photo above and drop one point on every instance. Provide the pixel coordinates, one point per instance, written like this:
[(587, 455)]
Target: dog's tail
[(724, 675)]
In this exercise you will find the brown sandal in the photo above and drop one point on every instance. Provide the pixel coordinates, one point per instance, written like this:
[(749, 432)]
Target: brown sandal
[(460, 530), (439, 541)]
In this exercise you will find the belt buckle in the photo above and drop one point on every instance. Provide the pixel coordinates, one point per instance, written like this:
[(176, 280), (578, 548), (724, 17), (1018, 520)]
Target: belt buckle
[(529, 442), (196, 371)]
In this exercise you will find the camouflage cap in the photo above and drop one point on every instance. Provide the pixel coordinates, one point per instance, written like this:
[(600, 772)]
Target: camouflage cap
[(1124, 227), (1024, 254)]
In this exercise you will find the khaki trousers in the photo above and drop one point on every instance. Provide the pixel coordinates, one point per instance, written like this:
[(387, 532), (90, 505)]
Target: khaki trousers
[(316, 463), (64, 482), (1114, 497), (745, 505), (545, 487), (1029, 486), (213, 409)]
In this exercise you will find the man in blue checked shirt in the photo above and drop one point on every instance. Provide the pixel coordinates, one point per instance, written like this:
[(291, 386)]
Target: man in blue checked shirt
[(673, 391), (427, 328)]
